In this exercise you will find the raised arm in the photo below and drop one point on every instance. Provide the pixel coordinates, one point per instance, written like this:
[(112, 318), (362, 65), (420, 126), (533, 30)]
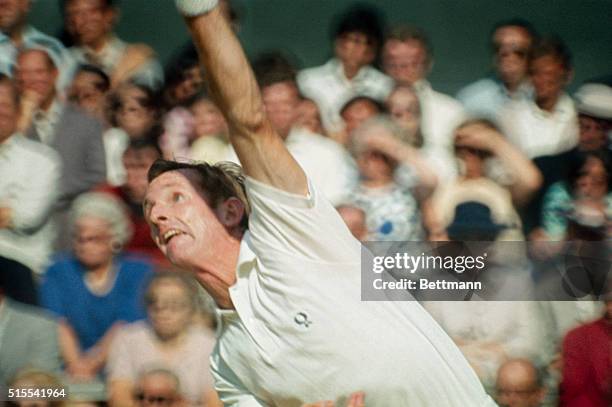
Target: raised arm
[(232, 84)]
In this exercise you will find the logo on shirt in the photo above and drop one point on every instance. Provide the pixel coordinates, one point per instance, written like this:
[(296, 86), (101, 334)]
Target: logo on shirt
[(302, 319)]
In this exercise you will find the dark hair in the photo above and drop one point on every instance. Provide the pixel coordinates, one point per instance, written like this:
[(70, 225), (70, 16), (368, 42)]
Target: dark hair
[(555, 47), (273, 67), (106, 4), (577, 164), (514, 22), (379, 106), (218, 182), (361, 18), (404, 33), (93, 69), (139, 144)]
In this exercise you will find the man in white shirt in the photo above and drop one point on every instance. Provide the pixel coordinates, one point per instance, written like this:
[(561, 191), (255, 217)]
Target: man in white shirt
[(15, 34), (511, 41), (293, 328), (91, 23), (547, 124), (29, 187), (407, 58), (349, 74)]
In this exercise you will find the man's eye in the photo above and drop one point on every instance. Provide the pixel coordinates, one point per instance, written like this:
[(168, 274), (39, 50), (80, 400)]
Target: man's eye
[(178, 198)]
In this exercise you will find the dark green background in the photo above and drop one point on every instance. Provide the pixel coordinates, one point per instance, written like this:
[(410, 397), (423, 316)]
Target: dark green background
[(458, 29)]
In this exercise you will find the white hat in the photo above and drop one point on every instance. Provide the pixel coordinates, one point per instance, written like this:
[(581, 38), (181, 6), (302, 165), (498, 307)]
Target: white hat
[(595, 100)]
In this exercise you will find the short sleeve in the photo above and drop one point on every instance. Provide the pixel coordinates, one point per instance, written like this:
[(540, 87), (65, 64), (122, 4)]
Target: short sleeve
[(302, 226), (230, 389)]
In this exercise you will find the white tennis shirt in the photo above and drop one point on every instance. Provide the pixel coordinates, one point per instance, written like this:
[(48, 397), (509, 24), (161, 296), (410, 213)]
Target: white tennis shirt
[(300, 332)]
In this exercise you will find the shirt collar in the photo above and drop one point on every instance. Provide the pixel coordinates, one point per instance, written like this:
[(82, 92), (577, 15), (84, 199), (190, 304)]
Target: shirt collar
[(563, 108), (338, 71), (52, 114), (110, 53)]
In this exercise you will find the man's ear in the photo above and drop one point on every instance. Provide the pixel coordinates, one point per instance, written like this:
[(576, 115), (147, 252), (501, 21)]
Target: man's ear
[(231, 212)]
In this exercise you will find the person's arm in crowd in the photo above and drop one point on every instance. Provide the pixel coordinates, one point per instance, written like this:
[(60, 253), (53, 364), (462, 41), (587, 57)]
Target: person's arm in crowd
[(97, 355), (211, 399), (34, 203), (406, 155), (261, 151), (120, 372), (70, 350), (44, 350), (526, 176)]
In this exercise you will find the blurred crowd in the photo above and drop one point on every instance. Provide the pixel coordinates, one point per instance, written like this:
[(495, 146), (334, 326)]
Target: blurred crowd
[(512, 157)]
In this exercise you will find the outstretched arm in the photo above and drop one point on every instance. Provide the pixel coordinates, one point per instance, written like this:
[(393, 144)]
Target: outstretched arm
[(232, 84)]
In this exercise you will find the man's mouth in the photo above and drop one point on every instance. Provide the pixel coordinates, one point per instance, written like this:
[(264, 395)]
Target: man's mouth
[(167, 236)]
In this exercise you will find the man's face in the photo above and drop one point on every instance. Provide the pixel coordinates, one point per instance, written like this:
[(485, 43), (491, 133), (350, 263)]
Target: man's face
[(87, 92), (12, 13), (511, 50), (592, 133), (281, 101), (157, 390), (8, 111), (405, 61), (169, 308), (137, 164), (89, 21), (549, 77), (404, 108), (35, 73), (518, 390), (354, 50), (182, 222)]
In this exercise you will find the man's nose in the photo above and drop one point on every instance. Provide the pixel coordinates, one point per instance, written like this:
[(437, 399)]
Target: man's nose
[(158, 214)]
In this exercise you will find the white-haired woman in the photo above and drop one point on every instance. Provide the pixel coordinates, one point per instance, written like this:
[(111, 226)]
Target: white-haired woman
[(94, 289)]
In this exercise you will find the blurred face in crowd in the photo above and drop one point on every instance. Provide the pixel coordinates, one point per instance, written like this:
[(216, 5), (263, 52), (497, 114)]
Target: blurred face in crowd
[(92, 242), (157, 389), (36, 73), (592, 133), (208, 119), (357, 113), (8, 111), (191, 84), (517, 385), (89, 93), (281, 101), (13, 14), (355, 220), (169, 308), (183, 224), (549, 79), (593, 180), (89, 21), (132, 115), (405, 61), (355, 51), (308, 117), (137, 163), (403, 106), (511, 45)]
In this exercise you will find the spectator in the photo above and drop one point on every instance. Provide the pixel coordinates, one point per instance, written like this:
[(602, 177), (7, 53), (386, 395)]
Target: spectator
[(309, 117), (212, 142), (519, 384), (91, 23), (357, 39), (158, 386), (29, 180), (16, 34), (594, 105), (137, 159), (135, 113), (546, 124), (89, 91), (356, 111), (325, 162), (492, 172), (28, 339), (511, 42), (168, 339), (408, 59), (73, 134), (587, 371), (95, 289), (39, 379), (404, 108), (390, 201)]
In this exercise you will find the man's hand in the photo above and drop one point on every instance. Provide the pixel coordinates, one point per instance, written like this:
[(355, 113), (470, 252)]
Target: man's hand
[(355, 400), (192, 8), (479, 137), (30, 102)]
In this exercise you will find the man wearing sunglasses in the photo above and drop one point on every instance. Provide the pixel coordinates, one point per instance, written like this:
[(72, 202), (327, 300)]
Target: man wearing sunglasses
[(511, 42)]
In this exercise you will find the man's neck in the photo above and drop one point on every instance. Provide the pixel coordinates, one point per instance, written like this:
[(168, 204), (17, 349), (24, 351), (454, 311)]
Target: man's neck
[(16, 34), (548, 104), (99, 44), (46, 104), (350, 72)]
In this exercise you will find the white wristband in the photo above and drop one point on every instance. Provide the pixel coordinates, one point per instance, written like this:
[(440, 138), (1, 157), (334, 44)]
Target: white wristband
[(192, 8)]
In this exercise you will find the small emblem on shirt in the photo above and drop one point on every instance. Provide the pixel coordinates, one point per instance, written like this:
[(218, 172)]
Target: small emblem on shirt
[(302, 319)]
